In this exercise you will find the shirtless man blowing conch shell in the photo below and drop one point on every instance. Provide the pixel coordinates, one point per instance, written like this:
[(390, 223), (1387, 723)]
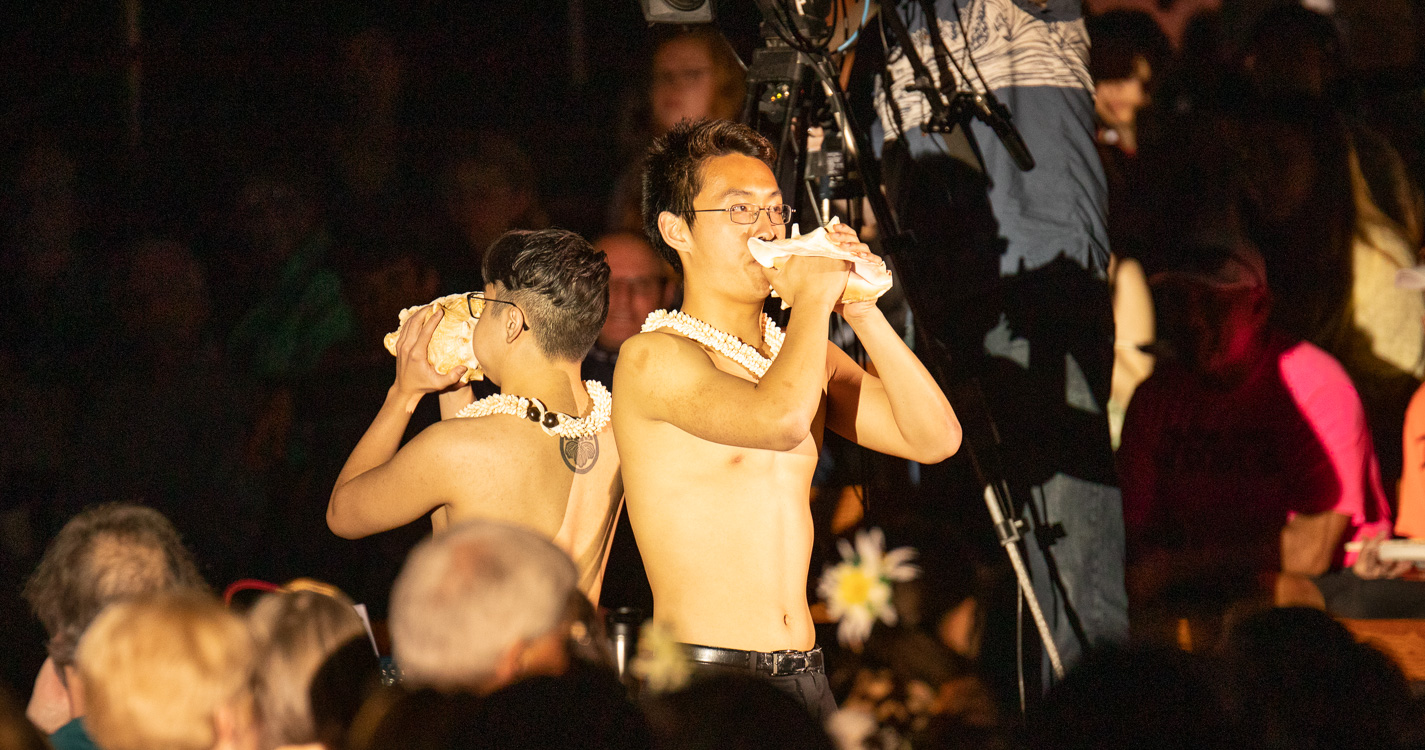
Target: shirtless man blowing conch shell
[(545, 301), (718, 462)]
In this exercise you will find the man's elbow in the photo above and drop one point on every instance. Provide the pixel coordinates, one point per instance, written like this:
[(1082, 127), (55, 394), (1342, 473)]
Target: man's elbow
[(944, 446), (338, 521), (788, 433)]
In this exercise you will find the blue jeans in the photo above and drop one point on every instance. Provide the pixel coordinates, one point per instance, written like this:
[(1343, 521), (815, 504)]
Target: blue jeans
[(1078, 579)]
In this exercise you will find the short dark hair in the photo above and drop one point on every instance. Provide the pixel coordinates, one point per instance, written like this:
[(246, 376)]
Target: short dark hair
[(104, 554), (560, 282), (673, 170)]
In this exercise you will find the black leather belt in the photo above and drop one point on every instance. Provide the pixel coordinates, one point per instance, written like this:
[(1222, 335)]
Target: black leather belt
[(766, 663)]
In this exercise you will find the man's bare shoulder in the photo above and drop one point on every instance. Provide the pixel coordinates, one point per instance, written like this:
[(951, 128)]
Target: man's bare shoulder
[(651, 353), (459, 439)]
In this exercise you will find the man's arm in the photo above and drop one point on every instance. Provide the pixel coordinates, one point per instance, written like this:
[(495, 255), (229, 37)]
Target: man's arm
[(1309, 544), (670, 379), (374, 492), (674, 382), (901, 410)]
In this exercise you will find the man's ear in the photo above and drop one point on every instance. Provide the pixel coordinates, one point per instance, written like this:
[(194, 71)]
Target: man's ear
[(514, 323), (675, 231)]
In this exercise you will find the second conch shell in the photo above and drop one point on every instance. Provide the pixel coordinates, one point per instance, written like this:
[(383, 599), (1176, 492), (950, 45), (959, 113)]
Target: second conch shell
[(451, 344), (868, 280)]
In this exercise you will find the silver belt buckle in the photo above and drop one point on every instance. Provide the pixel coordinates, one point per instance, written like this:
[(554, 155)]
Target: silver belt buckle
[(788, 662)]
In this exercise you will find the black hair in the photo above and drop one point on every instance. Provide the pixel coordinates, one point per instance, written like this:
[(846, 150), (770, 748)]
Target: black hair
[(560, 282)]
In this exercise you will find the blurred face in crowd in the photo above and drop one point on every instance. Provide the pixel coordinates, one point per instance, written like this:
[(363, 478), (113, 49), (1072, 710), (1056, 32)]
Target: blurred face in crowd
[(378, 295), (274, 218), (1289, 64), (1223, 328), (165, 299), (483, 202), (638, 285), (1118, 101), (683, 82), (1281, 170)]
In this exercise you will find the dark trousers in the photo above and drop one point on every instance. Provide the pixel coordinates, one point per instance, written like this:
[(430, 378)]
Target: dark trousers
[(810, 689)]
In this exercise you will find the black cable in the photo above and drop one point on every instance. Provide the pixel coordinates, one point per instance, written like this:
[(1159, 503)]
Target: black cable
[(888, 90), (965, 42)]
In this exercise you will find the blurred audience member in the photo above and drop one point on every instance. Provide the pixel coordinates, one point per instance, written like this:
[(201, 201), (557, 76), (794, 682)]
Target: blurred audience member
[(1301, 214), (1152, 697), (1246, 461), (695, 74), (378, 282), (581, 709), (103, 555), (294, 633), (1297, 53), (732, 710), (480, 607), (372, 144), (175, 429), (1295, 678), (488, 187), (639, 283), (169, 671), (420, 719), (1293, 51), (296, 312), (1129, 49), (1331, 259), (348, 678), (50, 279)]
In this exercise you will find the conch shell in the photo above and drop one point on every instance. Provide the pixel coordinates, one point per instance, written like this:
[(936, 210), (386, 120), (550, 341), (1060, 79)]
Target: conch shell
[(868, 280), (450, 345)]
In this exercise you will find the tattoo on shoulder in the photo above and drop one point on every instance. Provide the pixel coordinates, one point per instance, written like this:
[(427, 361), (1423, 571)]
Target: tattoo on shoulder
[(580, 454)]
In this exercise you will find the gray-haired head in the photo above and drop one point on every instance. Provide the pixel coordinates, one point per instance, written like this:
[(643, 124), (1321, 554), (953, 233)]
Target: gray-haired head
[(465, 597)]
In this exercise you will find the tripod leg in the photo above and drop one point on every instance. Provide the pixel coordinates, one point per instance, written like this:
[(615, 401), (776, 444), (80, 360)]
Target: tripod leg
[(1021, 573)]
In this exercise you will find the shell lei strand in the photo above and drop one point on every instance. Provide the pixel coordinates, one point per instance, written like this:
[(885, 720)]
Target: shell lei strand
[(723, 343), (552, 422)]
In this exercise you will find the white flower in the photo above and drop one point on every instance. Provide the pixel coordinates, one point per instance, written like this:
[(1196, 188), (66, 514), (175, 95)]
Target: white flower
[(661, 663), (857, 590)]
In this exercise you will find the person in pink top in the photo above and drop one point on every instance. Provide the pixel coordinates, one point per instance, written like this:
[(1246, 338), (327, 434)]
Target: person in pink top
[(1246, 462)]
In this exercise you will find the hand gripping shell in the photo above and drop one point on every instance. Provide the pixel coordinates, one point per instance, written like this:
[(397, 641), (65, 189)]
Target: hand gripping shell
[(867, 281), (450, 345)]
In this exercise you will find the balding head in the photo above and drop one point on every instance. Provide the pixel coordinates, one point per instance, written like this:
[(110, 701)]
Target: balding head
[(467, 597), (105, 554), (639, 283)]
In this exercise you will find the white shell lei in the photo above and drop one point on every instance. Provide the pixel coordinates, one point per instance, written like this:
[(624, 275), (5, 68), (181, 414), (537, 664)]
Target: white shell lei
[(552, 422), (723, 343)]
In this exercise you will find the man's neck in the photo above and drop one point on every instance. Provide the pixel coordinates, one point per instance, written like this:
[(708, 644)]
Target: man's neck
[(740, 318), (556, 384)]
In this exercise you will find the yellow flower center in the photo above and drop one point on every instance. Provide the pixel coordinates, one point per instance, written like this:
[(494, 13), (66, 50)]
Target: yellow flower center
[(854, 587)]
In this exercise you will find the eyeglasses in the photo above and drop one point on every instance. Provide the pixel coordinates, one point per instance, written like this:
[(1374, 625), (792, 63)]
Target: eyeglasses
[(746, 213), (470, 304)]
